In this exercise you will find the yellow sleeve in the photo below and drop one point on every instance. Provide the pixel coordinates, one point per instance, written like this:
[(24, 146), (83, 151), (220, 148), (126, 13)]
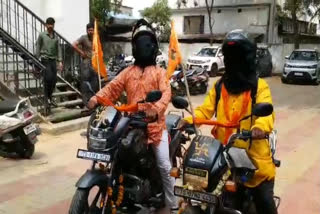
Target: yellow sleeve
[(207, 109), (264, 96)]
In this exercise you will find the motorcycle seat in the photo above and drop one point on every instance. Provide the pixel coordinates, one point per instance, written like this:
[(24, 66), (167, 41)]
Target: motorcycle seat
[(8, 106), (172, 121)]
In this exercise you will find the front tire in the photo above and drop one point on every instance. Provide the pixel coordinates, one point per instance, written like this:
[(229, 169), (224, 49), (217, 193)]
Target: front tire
[(317, 80), (214, 70), (284, 80), (79, 204)]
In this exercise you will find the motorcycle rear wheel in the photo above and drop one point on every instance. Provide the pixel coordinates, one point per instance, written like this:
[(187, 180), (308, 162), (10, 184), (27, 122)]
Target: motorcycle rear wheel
[(26, 148)]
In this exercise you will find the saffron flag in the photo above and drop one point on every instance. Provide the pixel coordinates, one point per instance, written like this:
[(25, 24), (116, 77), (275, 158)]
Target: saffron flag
[(97, 53), (174, 52)]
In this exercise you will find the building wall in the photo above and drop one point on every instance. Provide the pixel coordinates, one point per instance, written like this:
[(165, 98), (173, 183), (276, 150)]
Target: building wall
[(251, 19), (71, 16)]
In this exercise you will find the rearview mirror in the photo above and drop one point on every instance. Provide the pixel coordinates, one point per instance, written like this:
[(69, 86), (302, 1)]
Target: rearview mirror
[(180, 103), (153, 96), (262, 109), (287, 57)]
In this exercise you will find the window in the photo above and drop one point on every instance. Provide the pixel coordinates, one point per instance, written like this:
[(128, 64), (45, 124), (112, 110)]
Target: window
[(304, 55), (193, 25), (207, 52)]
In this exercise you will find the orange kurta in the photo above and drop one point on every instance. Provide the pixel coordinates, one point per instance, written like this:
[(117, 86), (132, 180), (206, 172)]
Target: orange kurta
[(137, 83)]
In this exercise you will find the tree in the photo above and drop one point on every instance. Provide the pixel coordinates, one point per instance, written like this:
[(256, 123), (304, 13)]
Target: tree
[(209, 6), (99, 9), (301, 7), (159, 15)]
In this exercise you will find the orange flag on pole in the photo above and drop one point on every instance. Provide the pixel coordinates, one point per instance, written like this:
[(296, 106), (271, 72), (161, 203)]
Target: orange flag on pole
[(174, 52), (97, 54)]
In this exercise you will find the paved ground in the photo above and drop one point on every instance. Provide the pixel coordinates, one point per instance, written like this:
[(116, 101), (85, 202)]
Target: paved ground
[(45, 184)]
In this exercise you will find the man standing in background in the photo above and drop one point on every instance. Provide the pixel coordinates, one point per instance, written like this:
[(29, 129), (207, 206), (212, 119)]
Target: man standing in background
[(49, 52), (89, 77)]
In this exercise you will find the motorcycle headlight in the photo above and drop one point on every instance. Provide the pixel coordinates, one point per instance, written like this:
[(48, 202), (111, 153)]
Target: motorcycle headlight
[(197, 178)]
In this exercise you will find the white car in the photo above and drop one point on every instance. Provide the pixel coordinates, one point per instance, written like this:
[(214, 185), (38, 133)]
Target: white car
[(162, 59), (209, 58)]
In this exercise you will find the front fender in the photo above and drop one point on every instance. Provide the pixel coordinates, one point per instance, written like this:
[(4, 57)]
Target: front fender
[(92, 178)]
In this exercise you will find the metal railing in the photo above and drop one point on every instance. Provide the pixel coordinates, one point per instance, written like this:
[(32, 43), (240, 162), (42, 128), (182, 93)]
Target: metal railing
[(20, 69), (24, 26), (20, 76)]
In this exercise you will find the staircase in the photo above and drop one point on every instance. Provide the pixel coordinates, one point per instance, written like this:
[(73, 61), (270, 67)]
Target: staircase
[(21, 72)]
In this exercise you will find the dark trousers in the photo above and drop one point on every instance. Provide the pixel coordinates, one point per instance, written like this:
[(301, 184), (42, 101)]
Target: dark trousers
[(262, 197), (50, 77), (89, 81)]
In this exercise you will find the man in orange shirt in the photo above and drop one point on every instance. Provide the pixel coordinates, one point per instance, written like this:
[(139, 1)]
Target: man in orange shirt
[(137, 80)]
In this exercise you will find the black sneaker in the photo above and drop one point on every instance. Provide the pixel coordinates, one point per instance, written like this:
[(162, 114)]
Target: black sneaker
[(53, 103)]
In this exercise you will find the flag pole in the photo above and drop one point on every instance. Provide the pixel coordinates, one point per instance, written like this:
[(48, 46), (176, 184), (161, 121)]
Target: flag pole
[(99, 76), (189, 98), (97, 50)]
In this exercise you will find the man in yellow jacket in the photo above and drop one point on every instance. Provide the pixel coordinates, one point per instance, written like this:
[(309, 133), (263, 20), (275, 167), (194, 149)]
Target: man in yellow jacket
[(239, 90)]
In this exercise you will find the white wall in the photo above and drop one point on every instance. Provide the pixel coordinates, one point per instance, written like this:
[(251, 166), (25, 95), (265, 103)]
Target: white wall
[(71, 16), (254, 20)]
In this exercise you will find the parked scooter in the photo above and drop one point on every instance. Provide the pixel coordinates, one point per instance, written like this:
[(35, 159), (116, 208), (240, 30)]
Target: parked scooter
[(197, 78), (18, 134), (211, 171)]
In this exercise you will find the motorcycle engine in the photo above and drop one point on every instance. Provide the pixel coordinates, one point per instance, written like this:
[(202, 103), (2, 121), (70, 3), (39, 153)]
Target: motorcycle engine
[(204, 163)]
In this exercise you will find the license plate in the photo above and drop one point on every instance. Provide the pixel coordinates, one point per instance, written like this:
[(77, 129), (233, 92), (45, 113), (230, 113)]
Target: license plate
[(298, 74), (29, 129), (175, 84), (195, 195), (96, 156)]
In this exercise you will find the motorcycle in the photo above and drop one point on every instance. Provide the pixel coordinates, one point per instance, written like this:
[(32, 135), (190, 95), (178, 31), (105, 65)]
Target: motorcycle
[(115, 66), (210, 170), (18, 135), (197, 80), (124, 172)]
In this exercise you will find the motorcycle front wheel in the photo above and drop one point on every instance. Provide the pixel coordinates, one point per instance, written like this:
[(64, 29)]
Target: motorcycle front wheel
[(87, 201)]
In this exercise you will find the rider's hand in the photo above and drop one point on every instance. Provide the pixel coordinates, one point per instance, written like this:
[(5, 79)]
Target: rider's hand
[(258, 133), (151, 113), (93, 102)]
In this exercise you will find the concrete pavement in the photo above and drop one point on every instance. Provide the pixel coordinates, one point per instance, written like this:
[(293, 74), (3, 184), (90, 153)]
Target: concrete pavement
[(45, 184)]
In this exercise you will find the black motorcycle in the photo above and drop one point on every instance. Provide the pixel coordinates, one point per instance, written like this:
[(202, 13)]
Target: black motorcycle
[(124, 172), (197, 78), (211, 170)]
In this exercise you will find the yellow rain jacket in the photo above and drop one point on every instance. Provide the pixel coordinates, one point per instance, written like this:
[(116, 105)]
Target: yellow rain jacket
[(259, 152)]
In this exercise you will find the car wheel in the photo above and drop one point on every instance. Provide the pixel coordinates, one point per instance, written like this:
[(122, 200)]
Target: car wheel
[(317, 80), (284, 80), (214, 70)]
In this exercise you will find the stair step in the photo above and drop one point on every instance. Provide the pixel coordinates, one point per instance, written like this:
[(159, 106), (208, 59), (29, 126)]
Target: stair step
[(71, 103), (64, 93), (57, 94), (61, 84), (60, 114)]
